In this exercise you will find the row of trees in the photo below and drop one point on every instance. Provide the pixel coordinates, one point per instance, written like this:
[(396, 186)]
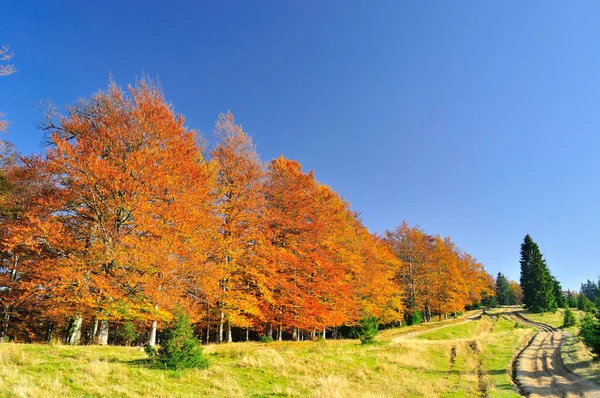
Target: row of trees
[(591, 291), (436, 276), (127, 217)]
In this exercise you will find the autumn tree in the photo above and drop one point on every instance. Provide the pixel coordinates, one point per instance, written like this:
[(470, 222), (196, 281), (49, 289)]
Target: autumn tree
[(516, 293), (131, 222), (412, 247), (319, 255), (240, 176), (435, 275)]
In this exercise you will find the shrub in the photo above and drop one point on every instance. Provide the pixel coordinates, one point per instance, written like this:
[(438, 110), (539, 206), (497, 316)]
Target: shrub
[(416, 318), (127, 333), (369, 327), (151, 351), (266, 339), (584, 304), (569, 318), (180, 349), (589, 331)]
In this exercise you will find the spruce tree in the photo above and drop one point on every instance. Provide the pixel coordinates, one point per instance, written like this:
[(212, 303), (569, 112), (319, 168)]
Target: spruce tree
[(503, 292), (571, 299), (536, 280), (559, 297)]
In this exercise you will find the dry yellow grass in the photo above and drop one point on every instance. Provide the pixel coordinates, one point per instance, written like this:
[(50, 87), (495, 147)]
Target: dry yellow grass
[(424, 367)]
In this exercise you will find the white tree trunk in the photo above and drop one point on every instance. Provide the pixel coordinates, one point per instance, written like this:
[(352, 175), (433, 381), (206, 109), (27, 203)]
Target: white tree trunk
[(102, 333), (280, 333), (221, 321), (95, 332), (152, 338), (74, 337), (247, 335), (324, 333), (229, 337)]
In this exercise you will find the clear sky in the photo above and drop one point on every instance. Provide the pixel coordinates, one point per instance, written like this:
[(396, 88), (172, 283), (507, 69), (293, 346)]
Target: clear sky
[(478, 120)]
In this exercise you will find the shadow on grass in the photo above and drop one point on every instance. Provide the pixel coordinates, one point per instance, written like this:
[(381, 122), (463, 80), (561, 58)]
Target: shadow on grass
[(138, 363)]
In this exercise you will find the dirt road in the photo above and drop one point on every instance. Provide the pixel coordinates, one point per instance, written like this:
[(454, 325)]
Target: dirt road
[(540, 368)]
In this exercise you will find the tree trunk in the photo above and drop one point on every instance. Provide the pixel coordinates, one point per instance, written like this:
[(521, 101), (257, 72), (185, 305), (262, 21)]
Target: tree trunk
[(74, 334), (221, 321), (294, 333), (280, 334), (208, 325), (94, 331), (102, 333), (270, 331), (49, 332), (247, 335), (5, 323), (152, 338), (6, 312), (229, 337), (324, 333)]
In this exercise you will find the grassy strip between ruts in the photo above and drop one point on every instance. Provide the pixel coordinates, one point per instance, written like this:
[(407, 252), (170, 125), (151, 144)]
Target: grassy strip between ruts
[(464, 362)]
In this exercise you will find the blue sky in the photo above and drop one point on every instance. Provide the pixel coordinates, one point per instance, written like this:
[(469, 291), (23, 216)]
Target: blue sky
[(478, 120)]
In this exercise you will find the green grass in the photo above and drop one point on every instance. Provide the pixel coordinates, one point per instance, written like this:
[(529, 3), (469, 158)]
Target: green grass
[(459, 331), (554, 319), (456, 361), (578, 358), (499, 351)]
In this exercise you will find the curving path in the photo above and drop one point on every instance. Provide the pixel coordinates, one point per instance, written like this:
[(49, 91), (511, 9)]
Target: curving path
[(410, 335), (540, 368)]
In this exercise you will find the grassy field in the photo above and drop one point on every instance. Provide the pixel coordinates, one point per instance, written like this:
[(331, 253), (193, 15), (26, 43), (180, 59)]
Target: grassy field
[(457, 361), (554, 319)]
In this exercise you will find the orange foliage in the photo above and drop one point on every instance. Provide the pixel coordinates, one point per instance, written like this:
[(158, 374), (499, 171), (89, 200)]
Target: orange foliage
[(124, 219)]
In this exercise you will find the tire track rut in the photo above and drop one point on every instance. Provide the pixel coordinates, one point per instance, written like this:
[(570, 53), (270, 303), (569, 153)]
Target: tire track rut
[(540, 370)]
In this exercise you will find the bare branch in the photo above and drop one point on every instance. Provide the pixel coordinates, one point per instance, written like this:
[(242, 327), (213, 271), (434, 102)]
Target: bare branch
[(6, 70)]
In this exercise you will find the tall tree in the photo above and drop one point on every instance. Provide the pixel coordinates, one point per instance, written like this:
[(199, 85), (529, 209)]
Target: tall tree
[(240, 179), (536, 280), (559, 296), (503, 292), (591, 290), (412, 247), (130, 225)]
